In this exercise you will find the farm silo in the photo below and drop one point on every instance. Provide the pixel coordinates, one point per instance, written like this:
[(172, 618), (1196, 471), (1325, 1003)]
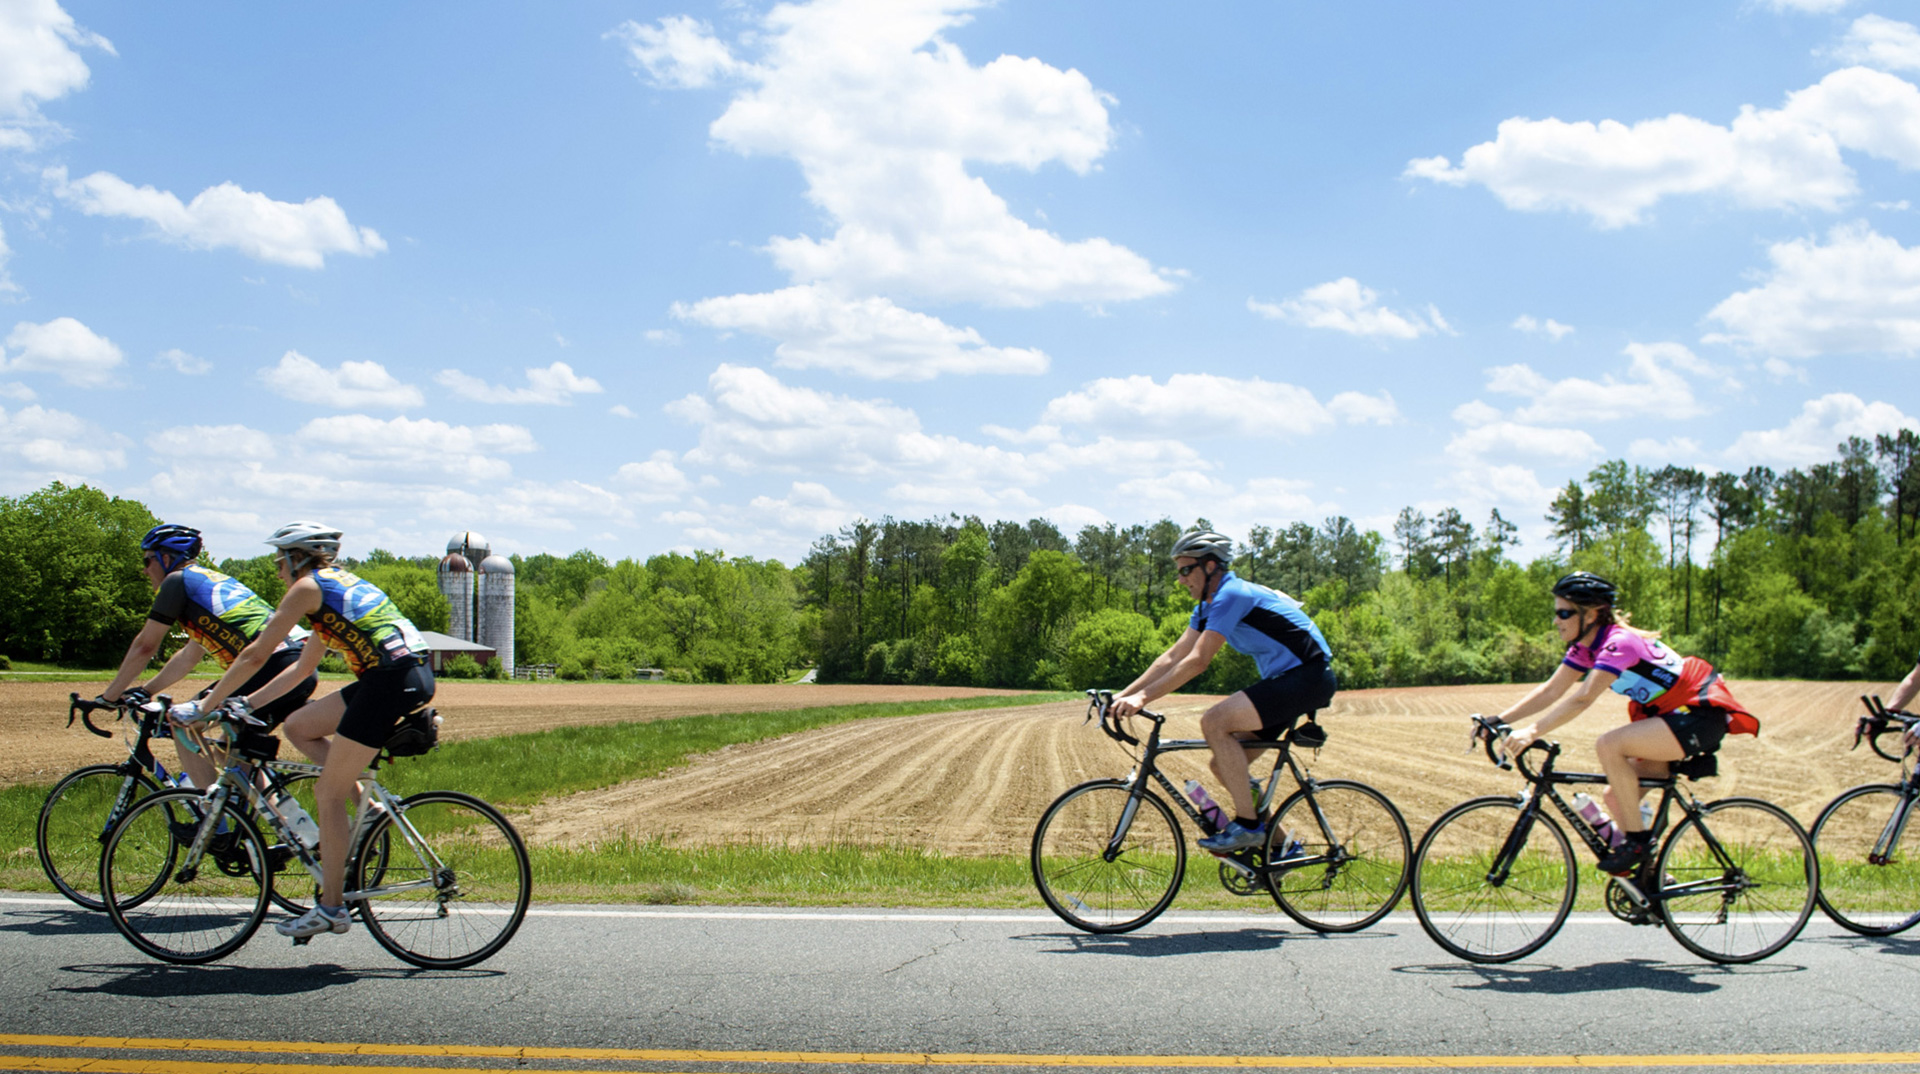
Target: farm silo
[(496, 608)]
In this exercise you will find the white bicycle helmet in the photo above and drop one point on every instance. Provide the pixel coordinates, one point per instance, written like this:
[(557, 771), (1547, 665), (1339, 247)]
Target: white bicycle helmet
[(1204, 544), (313, 538)]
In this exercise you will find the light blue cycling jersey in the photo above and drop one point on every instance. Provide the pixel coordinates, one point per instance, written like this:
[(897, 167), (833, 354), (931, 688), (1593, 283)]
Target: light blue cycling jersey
[(1268, 626)]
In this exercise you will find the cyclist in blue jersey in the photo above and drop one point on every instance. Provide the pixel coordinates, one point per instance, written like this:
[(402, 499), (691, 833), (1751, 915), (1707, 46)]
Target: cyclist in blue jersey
[(220, 615), (343, 731), (1296, 676)]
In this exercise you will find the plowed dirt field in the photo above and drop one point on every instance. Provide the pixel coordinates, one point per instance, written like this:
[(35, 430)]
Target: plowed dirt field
[(975, 782)]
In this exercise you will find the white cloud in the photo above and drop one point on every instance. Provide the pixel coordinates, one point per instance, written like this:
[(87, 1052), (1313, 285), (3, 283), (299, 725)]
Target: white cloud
[(868, 337), (555, 385), (65, 347), (38, 63), (621, 410), (1656, 385), (1858, 293), (1356, 408), (1347, 305), (1675, 449), (1549, 327), (656, 478), (462, 452), (679, 53), (7, 286), (285, 233), (17, 391), (662, 337), (1781, 371), (1767, 158), (808, 508), (40, 445), (1190, 402), (181, 362), (353, 384), (1505, 439), (237, 442), (1877, 41), (1807, 7), (1810, 437)]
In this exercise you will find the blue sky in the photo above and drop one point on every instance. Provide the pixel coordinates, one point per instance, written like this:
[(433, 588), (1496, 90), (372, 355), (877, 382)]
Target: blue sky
[(639, 277)]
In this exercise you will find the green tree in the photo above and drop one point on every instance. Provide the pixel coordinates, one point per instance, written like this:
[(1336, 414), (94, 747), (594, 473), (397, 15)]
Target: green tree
[(71, 587)]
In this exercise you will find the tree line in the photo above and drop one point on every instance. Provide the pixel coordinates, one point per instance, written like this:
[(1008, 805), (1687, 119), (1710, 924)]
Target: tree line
[(1808, 573)]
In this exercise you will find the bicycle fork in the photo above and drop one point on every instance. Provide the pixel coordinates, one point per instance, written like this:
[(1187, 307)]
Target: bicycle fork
[(1882, 852)]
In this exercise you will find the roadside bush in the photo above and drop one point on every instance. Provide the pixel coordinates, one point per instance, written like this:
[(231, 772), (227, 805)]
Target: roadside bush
[(461, 666), (494, 670), (572, 670)]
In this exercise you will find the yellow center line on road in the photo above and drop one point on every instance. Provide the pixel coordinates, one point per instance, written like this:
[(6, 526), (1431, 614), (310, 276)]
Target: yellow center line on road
[(452, 1051)]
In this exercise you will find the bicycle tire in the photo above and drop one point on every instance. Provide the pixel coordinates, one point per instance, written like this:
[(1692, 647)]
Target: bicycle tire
[(1081, 883), (1766, 888), (1468, 914), (1860, 895), (71, 831), (477, 903), (198, 915), (1365, 849)]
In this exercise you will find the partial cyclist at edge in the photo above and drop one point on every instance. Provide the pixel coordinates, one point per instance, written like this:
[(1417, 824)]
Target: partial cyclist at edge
[(1903, 696), (1679, 708), (384, 651), (1296, 675), (221, 617)]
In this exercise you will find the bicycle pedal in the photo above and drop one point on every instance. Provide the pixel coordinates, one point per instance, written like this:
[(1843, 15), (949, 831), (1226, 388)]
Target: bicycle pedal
[(302, 941)]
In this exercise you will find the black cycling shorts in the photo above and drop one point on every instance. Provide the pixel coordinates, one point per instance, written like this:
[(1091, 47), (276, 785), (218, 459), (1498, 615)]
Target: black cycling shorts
[(1290, 695), (1699, 729), (380, 698), (275, 712)]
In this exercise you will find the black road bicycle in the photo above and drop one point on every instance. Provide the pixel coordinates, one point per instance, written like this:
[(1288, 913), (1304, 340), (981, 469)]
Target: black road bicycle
[(1868, 880), (1108, 855), (1494, 878)]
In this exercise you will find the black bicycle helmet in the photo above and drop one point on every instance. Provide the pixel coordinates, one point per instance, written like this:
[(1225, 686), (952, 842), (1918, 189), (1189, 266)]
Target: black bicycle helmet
[(1204, 544), (1586, 589), (173, 545)]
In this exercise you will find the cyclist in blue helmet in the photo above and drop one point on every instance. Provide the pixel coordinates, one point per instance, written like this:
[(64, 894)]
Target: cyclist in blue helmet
[(220, 616), (1295, 667)]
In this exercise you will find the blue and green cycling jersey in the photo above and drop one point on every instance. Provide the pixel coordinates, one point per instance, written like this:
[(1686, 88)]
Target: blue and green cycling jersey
[(1267, 625), (362, 622), (220, 613)]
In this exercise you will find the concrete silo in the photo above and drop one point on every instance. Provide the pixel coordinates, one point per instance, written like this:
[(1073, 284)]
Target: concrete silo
[(496, 608), (456, 584)]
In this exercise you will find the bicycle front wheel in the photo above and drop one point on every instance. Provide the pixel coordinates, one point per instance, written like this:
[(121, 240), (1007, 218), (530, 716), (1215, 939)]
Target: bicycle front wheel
[(74, 821), (1354, 865), (1105, 861), (1488, 890), (449, 892), (1742, 889), (203, 909), (1870, 888)]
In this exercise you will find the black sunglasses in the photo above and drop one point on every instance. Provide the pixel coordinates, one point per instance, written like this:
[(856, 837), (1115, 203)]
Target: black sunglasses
[(1565, 613), (1188, 569)]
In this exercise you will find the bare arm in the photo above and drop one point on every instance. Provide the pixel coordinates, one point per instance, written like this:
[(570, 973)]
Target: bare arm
[(302, 599), (1566, 708), (1903, 694), (139, 655), (1183, 663), (1538, 698), (177, 668)]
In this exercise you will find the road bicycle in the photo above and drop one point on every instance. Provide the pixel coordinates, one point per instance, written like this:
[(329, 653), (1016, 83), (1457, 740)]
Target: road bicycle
[(1108, 855), (1494, 877), (441, 879), (1868, 880), (86, 803)]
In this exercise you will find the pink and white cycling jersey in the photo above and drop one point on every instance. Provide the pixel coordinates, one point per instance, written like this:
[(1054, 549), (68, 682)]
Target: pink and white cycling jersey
[(1646, 668)]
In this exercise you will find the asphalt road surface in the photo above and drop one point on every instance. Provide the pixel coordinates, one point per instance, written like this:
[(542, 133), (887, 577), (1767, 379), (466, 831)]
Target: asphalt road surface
[(707, 989)]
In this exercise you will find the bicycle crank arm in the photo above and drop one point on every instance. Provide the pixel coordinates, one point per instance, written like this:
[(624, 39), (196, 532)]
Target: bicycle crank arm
[(387, 889), (1634, 894)]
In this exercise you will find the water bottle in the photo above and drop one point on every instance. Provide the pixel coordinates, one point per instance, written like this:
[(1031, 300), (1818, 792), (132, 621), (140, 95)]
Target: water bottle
[(1253, 784), (1208, 807), (183, 781), (1603, 825), (304, 828), (1646, 815)]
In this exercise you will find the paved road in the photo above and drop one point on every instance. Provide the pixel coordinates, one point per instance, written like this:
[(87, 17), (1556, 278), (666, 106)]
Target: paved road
[(657, 984)]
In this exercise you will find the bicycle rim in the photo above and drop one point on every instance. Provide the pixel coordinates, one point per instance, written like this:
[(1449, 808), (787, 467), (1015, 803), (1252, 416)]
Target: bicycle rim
[(470, 909), (1362, 853), (201, 913), (1085, 886), (72, 827), (1874, 893), (1475, 916), (1749, 898)]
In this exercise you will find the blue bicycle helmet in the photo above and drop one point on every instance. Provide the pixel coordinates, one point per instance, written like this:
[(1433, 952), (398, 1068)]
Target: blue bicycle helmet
[(174, 546)]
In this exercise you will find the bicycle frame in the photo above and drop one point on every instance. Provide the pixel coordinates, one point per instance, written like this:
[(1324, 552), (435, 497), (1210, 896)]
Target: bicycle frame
[(1879, 721)]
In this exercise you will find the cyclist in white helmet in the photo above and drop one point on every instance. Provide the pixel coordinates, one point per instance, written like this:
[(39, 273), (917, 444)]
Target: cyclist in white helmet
[(388, 659), (1296, 676)]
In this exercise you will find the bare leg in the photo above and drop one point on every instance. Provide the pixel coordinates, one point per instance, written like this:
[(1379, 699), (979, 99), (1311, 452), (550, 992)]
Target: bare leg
[(1218, 725), (1627, 752)]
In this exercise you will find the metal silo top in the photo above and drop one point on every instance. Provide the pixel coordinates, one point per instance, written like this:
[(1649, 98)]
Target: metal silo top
[(496, 565), (469, 544), (455, 563)]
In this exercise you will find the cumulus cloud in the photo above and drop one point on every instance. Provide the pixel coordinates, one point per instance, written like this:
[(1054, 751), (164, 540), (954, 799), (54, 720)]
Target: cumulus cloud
[(1656, 384), (7, 286), (1347, 305), (808, 508), (1129, 406), (868, 337), (64, 347), (1877, 41), (462, 452), (353, 384), (1809, 438), (654, 478), (40, 445), (1787, 157), (237, 442), (39, 62), (226, 216), (1550, 328), (678, 53), (181, 362), (555, 385), (1860, 292), (1807, 7)]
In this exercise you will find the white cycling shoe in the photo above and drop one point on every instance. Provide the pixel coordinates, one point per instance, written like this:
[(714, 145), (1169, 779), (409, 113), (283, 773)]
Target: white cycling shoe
[(314, 922)]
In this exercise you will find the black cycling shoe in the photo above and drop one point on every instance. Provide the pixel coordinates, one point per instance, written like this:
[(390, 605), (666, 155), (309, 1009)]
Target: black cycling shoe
[(1627, 858)]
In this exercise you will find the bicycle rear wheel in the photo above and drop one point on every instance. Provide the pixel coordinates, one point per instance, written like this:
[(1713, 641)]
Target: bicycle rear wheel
[(74, 821), (203, 910), (470, 889), (1485, 895), (1872, 893), (1743, 891), (1356, 862), (1095, 883)]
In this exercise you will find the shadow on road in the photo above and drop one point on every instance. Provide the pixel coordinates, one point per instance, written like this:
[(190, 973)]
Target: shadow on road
[(165, 980), (1161, 945), (74, 922), (1631, 974), (1908, 944)]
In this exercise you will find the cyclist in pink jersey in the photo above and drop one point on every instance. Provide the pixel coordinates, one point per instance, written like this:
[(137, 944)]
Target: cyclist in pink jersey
[(1903, 696), (1680, 708)]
